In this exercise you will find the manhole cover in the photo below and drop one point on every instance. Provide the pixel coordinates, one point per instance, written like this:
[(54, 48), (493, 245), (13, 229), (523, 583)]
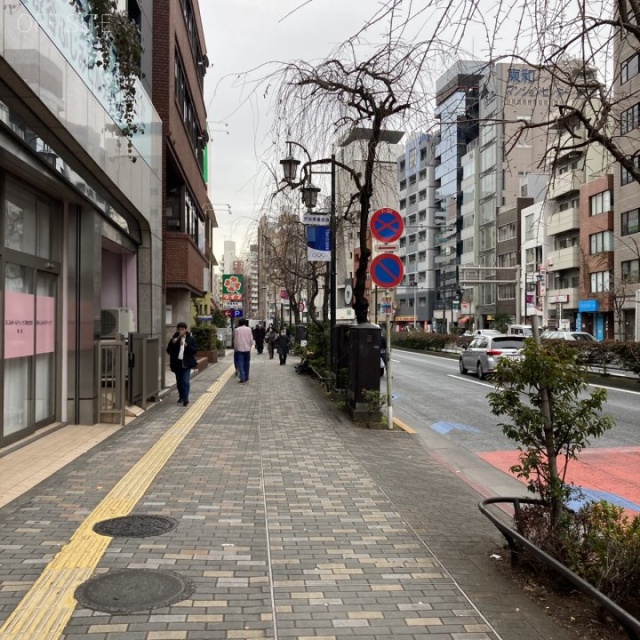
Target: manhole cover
[(135, 526), (131, 590)]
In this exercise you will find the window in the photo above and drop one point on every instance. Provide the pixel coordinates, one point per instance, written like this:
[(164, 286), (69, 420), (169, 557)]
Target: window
[(507, 259), (529, 229), (506, 291), (625, 175), (403, 203), (403, 185), (412, 158), (412, 180), (423, 174), (573, 203), (600, 281), (422, 236), (565, 242), (630, 271), (600, 203), (630, 119), (630, 222), (629, 68), (422, 195), (488, 158), (507, 232), (412, 199), (600, 242)]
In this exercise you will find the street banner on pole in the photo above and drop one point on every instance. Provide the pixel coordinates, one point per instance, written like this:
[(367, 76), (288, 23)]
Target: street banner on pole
[(318, 244)]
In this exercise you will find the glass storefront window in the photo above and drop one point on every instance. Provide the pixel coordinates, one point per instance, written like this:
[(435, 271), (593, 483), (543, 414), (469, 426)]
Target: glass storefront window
[(28, 222)]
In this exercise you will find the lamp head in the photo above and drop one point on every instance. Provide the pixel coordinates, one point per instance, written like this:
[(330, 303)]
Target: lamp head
[(309, 194), (289, 168)]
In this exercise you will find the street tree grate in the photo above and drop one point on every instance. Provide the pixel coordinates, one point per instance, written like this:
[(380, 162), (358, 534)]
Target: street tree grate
[(135, 526), (133, 590)]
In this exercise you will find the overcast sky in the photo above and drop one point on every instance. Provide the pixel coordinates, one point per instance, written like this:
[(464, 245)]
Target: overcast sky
[(242, 35)]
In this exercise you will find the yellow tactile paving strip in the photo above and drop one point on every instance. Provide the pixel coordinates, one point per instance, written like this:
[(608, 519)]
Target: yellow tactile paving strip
[(46, 608)]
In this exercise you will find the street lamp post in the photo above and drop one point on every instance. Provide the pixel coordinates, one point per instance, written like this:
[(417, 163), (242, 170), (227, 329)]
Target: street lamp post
[(309, 198)]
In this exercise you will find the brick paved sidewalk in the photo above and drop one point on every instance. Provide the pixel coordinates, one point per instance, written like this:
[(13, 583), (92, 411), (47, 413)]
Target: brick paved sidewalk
[(293, 523)]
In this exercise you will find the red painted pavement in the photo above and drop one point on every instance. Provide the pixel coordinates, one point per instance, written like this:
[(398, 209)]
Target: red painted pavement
[(615, 471)]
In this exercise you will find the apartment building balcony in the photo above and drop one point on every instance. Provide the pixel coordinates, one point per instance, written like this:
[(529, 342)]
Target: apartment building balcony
[(183, 263), (568, 258), (566, 141), (567, 297), (561, 221), (563, 183)]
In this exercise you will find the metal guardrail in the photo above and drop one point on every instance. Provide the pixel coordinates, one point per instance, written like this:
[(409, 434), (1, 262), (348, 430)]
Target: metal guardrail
[(515, 540), (111, 378)]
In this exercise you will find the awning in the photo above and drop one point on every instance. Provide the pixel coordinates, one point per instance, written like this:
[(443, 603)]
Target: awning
[(464, 319)]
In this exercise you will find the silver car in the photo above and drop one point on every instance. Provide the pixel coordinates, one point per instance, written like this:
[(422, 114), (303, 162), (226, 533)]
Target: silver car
[(579, 336), (483, 353)]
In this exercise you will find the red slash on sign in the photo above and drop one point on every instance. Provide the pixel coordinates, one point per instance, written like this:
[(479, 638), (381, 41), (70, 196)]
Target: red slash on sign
[(386, 225)]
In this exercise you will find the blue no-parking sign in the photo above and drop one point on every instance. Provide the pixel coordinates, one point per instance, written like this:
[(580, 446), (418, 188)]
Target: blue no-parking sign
[(387, 270)]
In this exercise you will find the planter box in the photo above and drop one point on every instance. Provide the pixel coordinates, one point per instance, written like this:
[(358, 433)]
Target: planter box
[(210, 355), (221, 353)]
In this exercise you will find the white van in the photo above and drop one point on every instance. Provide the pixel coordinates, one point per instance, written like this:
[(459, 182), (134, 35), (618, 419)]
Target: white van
[(520, 330)]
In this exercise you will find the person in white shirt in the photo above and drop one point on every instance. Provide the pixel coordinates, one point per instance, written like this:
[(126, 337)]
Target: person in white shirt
[(242, 341)]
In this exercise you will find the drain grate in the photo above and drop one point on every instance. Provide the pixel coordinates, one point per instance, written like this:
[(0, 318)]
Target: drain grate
[(135, 526), (131, 590)]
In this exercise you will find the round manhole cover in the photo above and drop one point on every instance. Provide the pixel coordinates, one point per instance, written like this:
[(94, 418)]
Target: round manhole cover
[(135, 526), (131, 590)]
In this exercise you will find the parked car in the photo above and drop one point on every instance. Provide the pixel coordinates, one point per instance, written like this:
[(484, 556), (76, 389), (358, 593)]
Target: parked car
[(520, 330), (580, 336), (481, 332), (484, 352)]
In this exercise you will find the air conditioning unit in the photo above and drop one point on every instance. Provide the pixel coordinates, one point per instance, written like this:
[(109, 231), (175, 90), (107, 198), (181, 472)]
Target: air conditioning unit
[(114, 322)]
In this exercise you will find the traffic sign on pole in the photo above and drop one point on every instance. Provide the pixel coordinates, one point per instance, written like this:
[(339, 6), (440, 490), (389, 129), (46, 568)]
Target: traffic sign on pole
[(386, 225), (387, 270)]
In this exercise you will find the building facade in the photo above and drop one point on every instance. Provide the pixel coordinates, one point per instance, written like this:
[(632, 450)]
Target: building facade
[(179, 65), (81, 215), (416, 174)]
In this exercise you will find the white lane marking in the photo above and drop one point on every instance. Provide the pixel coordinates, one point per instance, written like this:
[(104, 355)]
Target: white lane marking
[(483, 384), (614, 389), (398, 361)]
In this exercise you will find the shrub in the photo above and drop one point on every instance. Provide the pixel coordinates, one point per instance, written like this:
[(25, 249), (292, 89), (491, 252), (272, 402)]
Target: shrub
[(422, 341), (205, 336), (599, 543)]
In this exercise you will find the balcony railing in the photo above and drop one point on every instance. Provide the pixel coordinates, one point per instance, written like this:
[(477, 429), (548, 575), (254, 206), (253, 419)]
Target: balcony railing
[(568, 258), (561, 221), (565, 182)]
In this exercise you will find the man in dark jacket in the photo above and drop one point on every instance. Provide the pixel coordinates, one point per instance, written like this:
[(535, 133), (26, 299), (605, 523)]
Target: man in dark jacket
[(259, 335), (182, 350)]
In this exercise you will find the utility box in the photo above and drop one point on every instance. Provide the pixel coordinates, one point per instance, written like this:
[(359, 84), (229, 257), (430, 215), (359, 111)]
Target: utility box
[(301, 333), (364, 368)]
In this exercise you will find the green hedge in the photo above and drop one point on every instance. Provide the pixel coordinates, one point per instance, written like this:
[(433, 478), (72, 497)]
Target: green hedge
[(423, 341)]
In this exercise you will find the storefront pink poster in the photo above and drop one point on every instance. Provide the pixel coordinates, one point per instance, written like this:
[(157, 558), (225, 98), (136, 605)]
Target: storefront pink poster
[(19, 330), (45, 324)]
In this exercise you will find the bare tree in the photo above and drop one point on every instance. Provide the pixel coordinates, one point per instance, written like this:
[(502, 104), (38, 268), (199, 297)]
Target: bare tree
[(353, 88), (286, 263)]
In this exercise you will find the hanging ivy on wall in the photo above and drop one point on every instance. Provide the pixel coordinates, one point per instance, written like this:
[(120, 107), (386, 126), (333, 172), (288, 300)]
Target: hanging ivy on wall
[(118, 49)]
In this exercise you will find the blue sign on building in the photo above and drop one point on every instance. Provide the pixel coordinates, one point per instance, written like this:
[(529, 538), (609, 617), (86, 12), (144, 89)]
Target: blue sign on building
[(588, 306)]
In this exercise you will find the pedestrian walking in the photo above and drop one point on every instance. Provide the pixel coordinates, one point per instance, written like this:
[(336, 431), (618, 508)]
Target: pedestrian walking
[(259, 334), (242, 341), (182, 351), (282, 345), (271, 337)]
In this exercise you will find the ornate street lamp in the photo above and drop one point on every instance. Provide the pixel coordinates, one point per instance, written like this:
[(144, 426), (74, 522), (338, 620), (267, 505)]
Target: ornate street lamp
[(309, 194), (310, 198), (289, 167)]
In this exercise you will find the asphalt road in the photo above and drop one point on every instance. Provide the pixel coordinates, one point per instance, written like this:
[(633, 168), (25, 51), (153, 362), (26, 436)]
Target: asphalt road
[(451, 410)]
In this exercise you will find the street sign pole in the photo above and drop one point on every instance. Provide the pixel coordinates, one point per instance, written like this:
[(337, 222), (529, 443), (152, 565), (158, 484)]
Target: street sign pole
[(389, 394)]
